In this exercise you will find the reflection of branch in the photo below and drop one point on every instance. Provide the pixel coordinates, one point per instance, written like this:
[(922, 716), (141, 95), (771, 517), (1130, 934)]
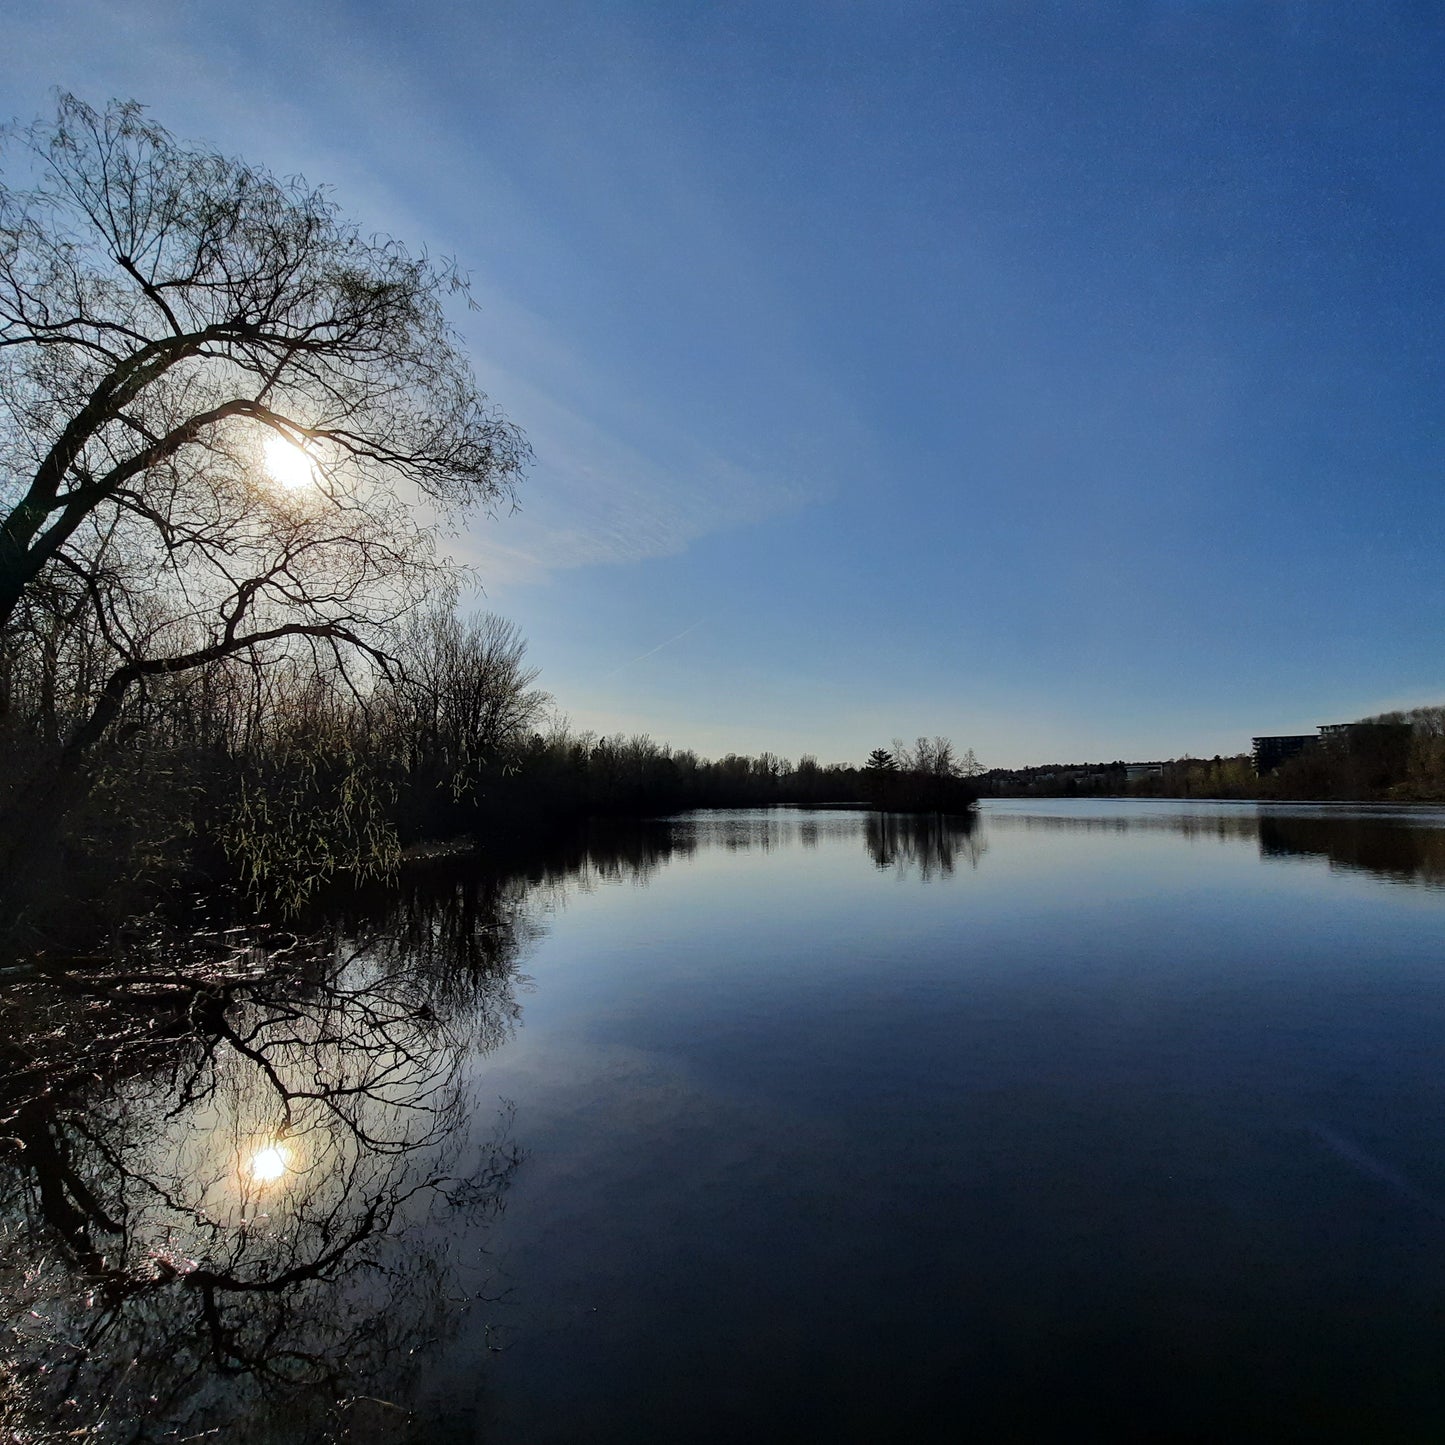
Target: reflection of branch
[(137, 1096)]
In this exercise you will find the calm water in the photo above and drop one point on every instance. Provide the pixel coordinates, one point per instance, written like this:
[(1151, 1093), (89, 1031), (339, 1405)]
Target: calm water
[(1114, 1120)]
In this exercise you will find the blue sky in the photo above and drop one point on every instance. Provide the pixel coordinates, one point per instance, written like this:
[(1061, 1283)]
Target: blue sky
[(1063, 378)]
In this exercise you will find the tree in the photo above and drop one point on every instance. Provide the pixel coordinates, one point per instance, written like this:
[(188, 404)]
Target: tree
[(464, 698), (932, 757), (231, 427), (926, 776)]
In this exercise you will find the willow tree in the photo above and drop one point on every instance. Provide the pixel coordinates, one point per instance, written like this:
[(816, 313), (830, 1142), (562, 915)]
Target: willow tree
[(231, 424)]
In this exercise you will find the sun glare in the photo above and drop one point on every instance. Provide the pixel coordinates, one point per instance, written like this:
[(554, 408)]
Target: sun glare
[(287, 465), (269, 1164)]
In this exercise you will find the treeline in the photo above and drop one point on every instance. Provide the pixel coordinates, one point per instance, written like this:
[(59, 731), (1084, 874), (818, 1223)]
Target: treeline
[(1057, 780), (282, 776), (561, 772), (1394, 757)]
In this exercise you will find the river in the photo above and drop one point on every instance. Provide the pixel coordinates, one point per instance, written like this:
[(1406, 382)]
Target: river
[(1083, 1119)]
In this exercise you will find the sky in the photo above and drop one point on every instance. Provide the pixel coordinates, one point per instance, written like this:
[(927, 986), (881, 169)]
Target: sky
[(1063, 379)]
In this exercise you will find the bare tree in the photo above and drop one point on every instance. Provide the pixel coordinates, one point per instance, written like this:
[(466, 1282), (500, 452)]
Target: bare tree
[(230, 425), (463, 697), (933, 757)]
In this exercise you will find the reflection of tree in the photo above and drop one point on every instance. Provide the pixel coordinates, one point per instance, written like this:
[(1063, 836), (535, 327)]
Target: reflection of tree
[(1220, 827), (1389, 845), (931, 844), (1388, 848), (225, 1163), (210, 1169)]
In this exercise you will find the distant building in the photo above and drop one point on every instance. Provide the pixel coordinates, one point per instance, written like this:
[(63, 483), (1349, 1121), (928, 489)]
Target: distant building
[(1338, 735), (1269, 753), (1386, 744), (1133, 772), (1356, 735)]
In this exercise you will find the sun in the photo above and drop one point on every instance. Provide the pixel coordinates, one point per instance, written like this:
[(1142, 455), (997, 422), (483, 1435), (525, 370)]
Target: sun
[(287, 465)]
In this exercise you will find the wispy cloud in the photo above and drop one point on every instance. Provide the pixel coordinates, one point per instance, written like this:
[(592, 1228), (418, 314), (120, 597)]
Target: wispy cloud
[(595, 496), (653, 651), (621, 474)]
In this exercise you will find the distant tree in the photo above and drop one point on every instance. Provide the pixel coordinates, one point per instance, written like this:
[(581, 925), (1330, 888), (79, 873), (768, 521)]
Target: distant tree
[(925, 776), (934, 757), (230, 424), (463, 697)]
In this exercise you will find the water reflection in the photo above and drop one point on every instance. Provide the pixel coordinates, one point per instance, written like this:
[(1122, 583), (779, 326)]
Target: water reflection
[(234, 1166), (1385, 847), (270, 1163), (1402, 845), (760, 830), (1205, 824), (930, 846), (225, 1163)]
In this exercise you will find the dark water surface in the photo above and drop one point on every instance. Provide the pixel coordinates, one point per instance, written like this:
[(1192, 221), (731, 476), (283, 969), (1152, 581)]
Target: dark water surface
[(1122, 1118), (1091, 1120)]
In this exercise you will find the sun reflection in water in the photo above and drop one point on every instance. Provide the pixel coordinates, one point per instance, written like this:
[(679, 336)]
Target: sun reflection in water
[(270, 1163)]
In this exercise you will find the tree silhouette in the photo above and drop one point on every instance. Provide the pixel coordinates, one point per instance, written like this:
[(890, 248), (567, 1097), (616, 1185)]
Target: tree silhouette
[(230, 425)]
